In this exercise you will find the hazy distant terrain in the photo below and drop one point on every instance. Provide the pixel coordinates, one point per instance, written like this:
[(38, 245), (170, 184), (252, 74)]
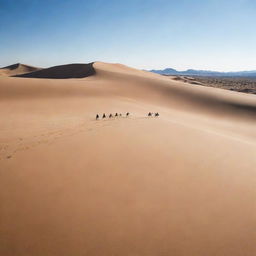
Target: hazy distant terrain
[(241, 81), (193, 72)]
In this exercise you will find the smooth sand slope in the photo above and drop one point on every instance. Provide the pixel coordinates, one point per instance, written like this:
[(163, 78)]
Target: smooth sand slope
[(182, 184)]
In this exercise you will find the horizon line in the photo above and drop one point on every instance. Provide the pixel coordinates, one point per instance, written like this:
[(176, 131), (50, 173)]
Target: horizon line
[(154, 69)]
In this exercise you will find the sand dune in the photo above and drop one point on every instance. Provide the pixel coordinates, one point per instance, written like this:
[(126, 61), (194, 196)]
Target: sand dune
[(63, 71), (181, 184), (17, 69)]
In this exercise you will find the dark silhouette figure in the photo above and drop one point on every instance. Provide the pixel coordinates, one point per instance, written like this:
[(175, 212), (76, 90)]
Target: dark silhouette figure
[(116, 115), (104, 116), (149, 114), (97, 117), (127, 114), (110, 116), (120, 114), (156, 114)]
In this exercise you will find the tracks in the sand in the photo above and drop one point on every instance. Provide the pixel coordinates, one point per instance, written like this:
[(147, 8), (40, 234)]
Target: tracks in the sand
[(9, 149)]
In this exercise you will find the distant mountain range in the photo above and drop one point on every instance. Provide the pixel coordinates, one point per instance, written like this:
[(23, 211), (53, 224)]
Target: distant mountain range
[(193, 72)]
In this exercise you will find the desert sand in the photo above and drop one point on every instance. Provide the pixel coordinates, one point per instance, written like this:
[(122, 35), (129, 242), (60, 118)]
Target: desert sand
[(182, 184), (17, 69)]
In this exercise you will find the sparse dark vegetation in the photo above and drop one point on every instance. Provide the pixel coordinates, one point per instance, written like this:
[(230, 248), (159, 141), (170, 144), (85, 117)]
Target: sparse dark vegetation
[(239, 84)]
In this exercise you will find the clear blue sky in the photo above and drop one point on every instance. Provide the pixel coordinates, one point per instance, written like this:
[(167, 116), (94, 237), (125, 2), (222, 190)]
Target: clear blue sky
[(200, 34)]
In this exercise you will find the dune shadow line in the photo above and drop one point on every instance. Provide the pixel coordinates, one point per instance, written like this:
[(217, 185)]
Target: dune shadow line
[(62, 72)]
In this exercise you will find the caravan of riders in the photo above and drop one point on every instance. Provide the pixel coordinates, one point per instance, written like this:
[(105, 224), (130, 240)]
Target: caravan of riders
[(150, 114)]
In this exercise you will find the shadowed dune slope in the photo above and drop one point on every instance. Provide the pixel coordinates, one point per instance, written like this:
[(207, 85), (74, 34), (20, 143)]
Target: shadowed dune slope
[(63, 71), (177, 94), (182, 184), (17, 69)]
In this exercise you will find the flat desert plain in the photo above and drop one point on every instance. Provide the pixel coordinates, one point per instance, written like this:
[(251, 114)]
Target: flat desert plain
[(181, 184)]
